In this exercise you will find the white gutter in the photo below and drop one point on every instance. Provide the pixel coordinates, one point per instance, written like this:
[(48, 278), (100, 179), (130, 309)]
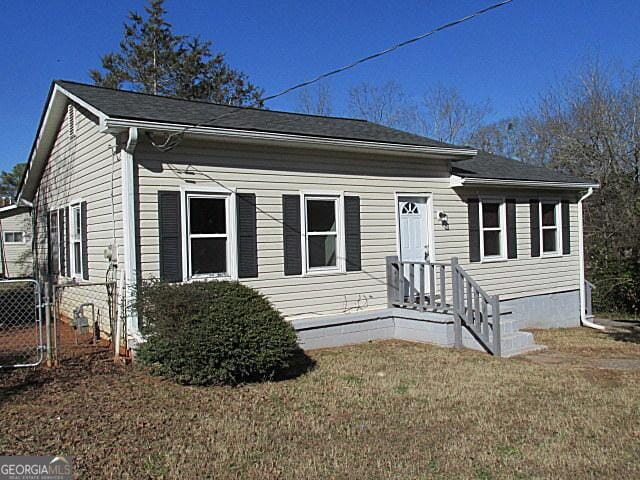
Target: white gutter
[(583, 300), (129, 232), (113, 125), (458, 181)]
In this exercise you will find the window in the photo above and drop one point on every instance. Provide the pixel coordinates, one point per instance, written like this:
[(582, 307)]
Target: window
[(13, 237), (75, 237), (208, 235), (492, 229), (549, 227), (323, 233)]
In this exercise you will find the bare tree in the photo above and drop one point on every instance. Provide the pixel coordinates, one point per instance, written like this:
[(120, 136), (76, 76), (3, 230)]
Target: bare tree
[(448, 117), (589, 126), (385, 104), (316, 102)]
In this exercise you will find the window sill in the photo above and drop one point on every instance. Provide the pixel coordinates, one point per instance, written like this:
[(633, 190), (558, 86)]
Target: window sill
[(323, 273), (494, 260), (551, 255)]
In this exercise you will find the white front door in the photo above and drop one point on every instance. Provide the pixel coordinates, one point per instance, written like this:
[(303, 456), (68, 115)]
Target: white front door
[(414, 236)]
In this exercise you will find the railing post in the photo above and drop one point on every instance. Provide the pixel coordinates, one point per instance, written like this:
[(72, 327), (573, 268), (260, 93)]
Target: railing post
[(47, 323), (455, 293), (392, 281), (495, 311)]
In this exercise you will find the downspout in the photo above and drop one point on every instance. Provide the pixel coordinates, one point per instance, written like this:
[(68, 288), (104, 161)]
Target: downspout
[(129, 236), (583, 301)]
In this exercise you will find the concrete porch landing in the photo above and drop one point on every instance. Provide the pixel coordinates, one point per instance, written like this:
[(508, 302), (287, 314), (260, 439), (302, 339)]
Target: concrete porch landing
[(402, 324)]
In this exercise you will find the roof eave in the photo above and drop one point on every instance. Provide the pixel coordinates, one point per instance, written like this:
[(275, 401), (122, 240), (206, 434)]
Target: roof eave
[(115, 125), (457, 181)]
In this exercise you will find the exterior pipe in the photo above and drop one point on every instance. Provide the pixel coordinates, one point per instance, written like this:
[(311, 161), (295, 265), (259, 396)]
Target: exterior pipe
[(129, 234), (583, 305)]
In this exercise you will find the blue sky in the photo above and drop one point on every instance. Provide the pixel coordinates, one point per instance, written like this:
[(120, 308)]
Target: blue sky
[(510, 55)]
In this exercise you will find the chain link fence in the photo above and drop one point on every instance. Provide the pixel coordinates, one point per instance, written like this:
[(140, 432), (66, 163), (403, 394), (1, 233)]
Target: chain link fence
[(84, 315), (21, 332)]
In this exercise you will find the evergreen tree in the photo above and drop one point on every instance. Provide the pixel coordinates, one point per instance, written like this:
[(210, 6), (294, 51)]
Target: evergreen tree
[(10, 180), (152, 59)]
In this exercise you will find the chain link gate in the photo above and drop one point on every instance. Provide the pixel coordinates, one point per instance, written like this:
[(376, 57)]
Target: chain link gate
[(21, 329)]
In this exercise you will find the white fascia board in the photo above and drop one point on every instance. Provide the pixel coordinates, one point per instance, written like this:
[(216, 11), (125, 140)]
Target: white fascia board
[(47, 132), (114, 125), (457, 181), (101, 116)]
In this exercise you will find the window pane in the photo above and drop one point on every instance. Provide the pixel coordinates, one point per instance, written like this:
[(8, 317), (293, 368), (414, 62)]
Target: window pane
[(17, 237), (77, 258), (207, 215), (549, 240), (77, 225), (490, 215), (321, 215), (548, 214), (492, 243), (322, 251), (208, 255)]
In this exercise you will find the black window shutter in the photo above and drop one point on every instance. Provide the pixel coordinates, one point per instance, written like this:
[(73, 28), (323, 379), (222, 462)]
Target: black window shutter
[(67, 243), (512, 237), (62, 249), (83, 233), (50, 263), (566, 229), (291, 234), (474, 229), (169, 226), (353, 247), (534, 215), (247, 236)]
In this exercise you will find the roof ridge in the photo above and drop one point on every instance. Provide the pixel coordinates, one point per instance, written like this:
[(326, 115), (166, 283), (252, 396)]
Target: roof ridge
[(239, 107)]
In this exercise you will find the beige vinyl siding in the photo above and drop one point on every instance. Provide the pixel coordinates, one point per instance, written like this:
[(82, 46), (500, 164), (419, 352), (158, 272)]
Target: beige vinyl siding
[(83, 168), (19, 257), (270, 173)]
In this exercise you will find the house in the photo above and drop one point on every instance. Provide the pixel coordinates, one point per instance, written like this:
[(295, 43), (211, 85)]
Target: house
[(15, 244), (353, 230)]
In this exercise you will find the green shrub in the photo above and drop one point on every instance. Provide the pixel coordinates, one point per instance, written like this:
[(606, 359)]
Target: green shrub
[(207, 333)]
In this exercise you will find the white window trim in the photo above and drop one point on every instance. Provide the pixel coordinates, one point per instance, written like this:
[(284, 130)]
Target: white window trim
[(341, 264), (558, 215), (232, 248), (24, 237), (72, 240), (502, 219)]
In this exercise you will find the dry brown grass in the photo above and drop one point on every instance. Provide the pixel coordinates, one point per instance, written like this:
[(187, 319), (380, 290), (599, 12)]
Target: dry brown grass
[(381, 410)]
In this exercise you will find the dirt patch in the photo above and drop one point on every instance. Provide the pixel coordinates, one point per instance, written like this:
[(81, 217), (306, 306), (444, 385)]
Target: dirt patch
[(559, 358)]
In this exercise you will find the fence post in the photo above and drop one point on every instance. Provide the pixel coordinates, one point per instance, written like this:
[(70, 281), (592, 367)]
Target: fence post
[(392, 283), (457, 324), (495, 312), (47, 323)]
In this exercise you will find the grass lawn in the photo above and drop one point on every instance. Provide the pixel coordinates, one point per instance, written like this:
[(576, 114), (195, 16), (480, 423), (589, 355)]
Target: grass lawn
[(380, 410)]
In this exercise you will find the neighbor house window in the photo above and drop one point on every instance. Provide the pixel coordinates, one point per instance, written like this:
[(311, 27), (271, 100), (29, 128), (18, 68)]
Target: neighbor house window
[(549, 227), (322, 233), (75, 237), (492, 229), (208, 235), (13, 237)]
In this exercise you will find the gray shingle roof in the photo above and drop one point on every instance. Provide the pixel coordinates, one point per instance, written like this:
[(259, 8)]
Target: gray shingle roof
[(486, 165), (140, 106)]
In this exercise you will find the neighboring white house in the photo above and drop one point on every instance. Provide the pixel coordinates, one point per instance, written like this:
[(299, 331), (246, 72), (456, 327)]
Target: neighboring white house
[(304, 208), (16, 256)]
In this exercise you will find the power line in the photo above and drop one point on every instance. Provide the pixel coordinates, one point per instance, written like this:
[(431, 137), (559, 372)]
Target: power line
[(173, 139)]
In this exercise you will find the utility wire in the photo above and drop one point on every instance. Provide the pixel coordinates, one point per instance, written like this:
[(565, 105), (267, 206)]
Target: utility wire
[(173, 139)]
